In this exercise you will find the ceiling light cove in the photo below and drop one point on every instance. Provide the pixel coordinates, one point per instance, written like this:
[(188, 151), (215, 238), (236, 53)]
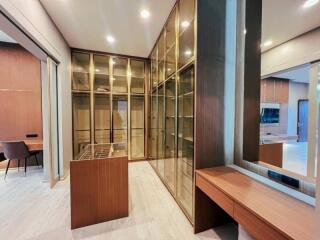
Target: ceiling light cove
[(310, 3), (268, 43), (111, 39), (145, 13)]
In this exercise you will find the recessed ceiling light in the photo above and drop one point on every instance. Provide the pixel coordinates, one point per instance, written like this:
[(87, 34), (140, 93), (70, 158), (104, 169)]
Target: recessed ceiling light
[(268, 43), (188, 52), (111, 39), (145, 13), (310, 3), (185, 24)]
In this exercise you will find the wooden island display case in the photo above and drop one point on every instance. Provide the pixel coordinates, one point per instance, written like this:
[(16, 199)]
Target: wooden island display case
[(99, 184)]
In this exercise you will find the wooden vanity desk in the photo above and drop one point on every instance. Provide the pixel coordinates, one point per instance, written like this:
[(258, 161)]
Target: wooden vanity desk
[(262, 211)]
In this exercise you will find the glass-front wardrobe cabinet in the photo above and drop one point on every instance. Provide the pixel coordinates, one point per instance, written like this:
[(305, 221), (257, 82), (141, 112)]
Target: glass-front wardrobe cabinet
[(171, 148), (109, 101)]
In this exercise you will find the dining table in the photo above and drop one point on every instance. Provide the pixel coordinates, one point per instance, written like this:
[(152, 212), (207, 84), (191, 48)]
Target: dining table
[(33, 145)]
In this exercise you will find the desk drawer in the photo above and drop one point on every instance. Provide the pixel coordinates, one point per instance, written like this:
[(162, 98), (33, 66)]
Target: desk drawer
[(215, 195), (255, 226)]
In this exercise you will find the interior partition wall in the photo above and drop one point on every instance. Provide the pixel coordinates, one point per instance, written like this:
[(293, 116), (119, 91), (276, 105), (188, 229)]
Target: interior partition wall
[(109, 101)]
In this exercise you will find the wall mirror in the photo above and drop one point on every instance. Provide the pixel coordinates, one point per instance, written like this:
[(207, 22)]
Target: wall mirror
[(277, 93)]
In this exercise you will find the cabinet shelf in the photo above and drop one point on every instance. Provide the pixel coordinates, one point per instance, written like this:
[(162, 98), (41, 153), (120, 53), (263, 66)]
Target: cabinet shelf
[(137, 77), (101, 74), (97, 92), (186, 94), (81, 91), (190, 139), (119, 75), (80, 72)]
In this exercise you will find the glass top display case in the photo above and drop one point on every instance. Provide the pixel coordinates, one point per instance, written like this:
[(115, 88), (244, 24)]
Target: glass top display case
[(102, 151)]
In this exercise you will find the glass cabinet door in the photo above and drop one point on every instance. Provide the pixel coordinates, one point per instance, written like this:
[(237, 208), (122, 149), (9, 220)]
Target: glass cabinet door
[(170, 65), (170, 131), (185, 139), (154, 68), (186, 32), (81, 71), (119, 75), (137, 76), (81, 121), (153, 143), (102, 116), (137, 127), (161, 131), (161, 58), (119, 119), (101, 73)]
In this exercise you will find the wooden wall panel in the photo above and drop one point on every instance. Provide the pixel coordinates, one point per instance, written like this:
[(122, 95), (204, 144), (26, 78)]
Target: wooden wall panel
[(272, 154), (275, 90), (99, 190), (20, 93), (252, 80), (209, 104), (282, 91)]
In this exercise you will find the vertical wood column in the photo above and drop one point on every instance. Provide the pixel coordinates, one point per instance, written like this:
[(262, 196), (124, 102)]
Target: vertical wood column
[(252, 80), (209, 104)]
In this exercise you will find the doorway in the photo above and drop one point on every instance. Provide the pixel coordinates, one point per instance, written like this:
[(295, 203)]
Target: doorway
[(302, 124), (40, 98)]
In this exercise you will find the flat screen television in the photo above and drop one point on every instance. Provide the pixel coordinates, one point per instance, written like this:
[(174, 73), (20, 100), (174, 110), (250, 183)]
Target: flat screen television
[(270, 113)]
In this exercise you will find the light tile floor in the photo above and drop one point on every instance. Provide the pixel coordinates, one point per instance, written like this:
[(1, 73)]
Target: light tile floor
[(295, 157), (29, 210)]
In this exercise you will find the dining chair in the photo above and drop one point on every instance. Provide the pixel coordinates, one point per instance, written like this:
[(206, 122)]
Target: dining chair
[(16, 150), (34, 152)]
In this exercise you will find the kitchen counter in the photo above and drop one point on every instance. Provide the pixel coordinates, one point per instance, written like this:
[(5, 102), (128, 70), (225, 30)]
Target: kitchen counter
[(277, 138)]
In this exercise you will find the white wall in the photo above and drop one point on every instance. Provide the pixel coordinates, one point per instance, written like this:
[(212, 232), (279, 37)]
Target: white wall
[(32, 19), (297, 91), (302, 50)]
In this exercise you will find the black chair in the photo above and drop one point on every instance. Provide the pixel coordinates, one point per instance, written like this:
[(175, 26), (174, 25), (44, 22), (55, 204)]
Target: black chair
[(16, 150), (2, 157)]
